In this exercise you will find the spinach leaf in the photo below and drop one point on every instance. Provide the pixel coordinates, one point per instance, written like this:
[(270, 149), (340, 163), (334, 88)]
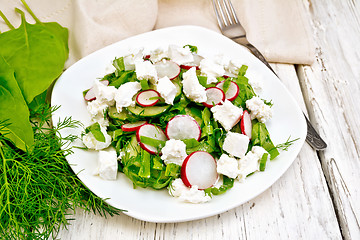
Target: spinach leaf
[(13, 109), (37, 53)]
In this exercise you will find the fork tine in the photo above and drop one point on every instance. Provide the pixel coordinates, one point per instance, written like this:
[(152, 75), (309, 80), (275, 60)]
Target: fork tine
[(217, 15), (219, 9), (227, 12), (233, 13)]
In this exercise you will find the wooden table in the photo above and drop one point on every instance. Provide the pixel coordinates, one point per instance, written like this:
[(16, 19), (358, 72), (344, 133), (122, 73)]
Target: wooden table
[(319, 196)]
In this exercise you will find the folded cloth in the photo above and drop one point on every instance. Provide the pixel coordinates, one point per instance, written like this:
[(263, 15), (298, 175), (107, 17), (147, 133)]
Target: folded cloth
[(278, 28), (92, 24)]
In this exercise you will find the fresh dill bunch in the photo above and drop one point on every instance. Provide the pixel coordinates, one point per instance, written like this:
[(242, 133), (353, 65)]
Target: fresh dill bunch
[(39, 192)]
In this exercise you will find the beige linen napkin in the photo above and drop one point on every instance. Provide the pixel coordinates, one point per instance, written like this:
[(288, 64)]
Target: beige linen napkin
[(92, 24), (278, 28)]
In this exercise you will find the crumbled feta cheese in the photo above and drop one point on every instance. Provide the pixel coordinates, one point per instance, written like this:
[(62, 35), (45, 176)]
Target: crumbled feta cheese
[(166, 89), (104, 122), (259, 151), (146, 70), (104, 93), (90, 141), (192, 88), (129, 60), (97, 108), (258, 109), (174, 151), (248, 164), (234, 66), (157, 54), (125, 93), (236, 144), (180, 55), (227, 166), (191, 195), (211, 70), (251, 162), (107, 165), (227, 114)]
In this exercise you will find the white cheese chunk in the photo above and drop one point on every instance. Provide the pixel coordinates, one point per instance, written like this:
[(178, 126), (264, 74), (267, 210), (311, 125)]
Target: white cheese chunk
[(185, 194), (146, 70), (130, 59), (227, 114), (158, 54), (258, 109), (125, 93), (234, 66), (236, 144), (174, 151), (192, 88), (107, 164), (227, 166), (180, 55), (251, 162), (90, 141), (97, 108), (211, 70), (166, 89), (103, 93)]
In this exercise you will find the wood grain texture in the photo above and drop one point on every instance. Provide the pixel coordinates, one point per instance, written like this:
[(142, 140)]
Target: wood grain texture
[(297, 206), (331, 88)]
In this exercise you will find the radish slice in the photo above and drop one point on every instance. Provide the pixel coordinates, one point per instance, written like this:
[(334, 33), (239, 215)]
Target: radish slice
[(167, 69), (183, 127), (144, 98), (232, 92), (245, 124), (151, 131), (199, 168), (214, 97), (90, 95), (130, 127)]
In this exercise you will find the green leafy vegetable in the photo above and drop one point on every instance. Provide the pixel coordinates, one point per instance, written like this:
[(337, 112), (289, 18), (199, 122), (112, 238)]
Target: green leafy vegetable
[(13, 108), (261, 137), (37, 53), (193, 49), (96, 131)]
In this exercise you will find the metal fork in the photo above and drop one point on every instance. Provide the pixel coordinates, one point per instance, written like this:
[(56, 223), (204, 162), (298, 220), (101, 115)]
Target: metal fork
[(230, 26)]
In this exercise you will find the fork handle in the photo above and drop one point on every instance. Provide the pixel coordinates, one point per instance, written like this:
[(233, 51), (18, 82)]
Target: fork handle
[(312, 137)]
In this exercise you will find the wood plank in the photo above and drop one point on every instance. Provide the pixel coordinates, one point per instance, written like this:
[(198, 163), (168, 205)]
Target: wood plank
[(297, 206), (332, 92)]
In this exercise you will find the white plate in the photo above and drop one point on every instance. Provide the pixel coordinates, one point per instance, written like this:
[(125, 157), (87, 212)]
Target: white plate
[(159, 206)]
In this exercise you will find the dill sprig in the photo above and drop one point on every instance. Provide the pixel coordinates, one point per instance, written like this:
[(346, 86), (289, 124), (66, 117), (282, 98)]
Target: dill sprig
[(285, 146), (39, 192)]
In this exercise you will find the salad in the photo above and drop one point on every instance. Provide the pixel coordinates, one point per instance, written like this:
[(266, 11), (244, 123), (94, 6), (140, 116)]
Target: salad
[(170, 118)]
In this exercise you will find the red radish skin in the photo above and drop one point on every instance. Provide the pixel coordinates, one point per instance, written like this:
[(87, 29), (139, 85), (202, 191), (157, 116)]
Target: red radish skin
[(246, 124), (168, 69), (143, 98), (90, 95), (232, 92), (131, 127), (199, 168), (214, 96), (187, 67), (152, 131), (183, 127)]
